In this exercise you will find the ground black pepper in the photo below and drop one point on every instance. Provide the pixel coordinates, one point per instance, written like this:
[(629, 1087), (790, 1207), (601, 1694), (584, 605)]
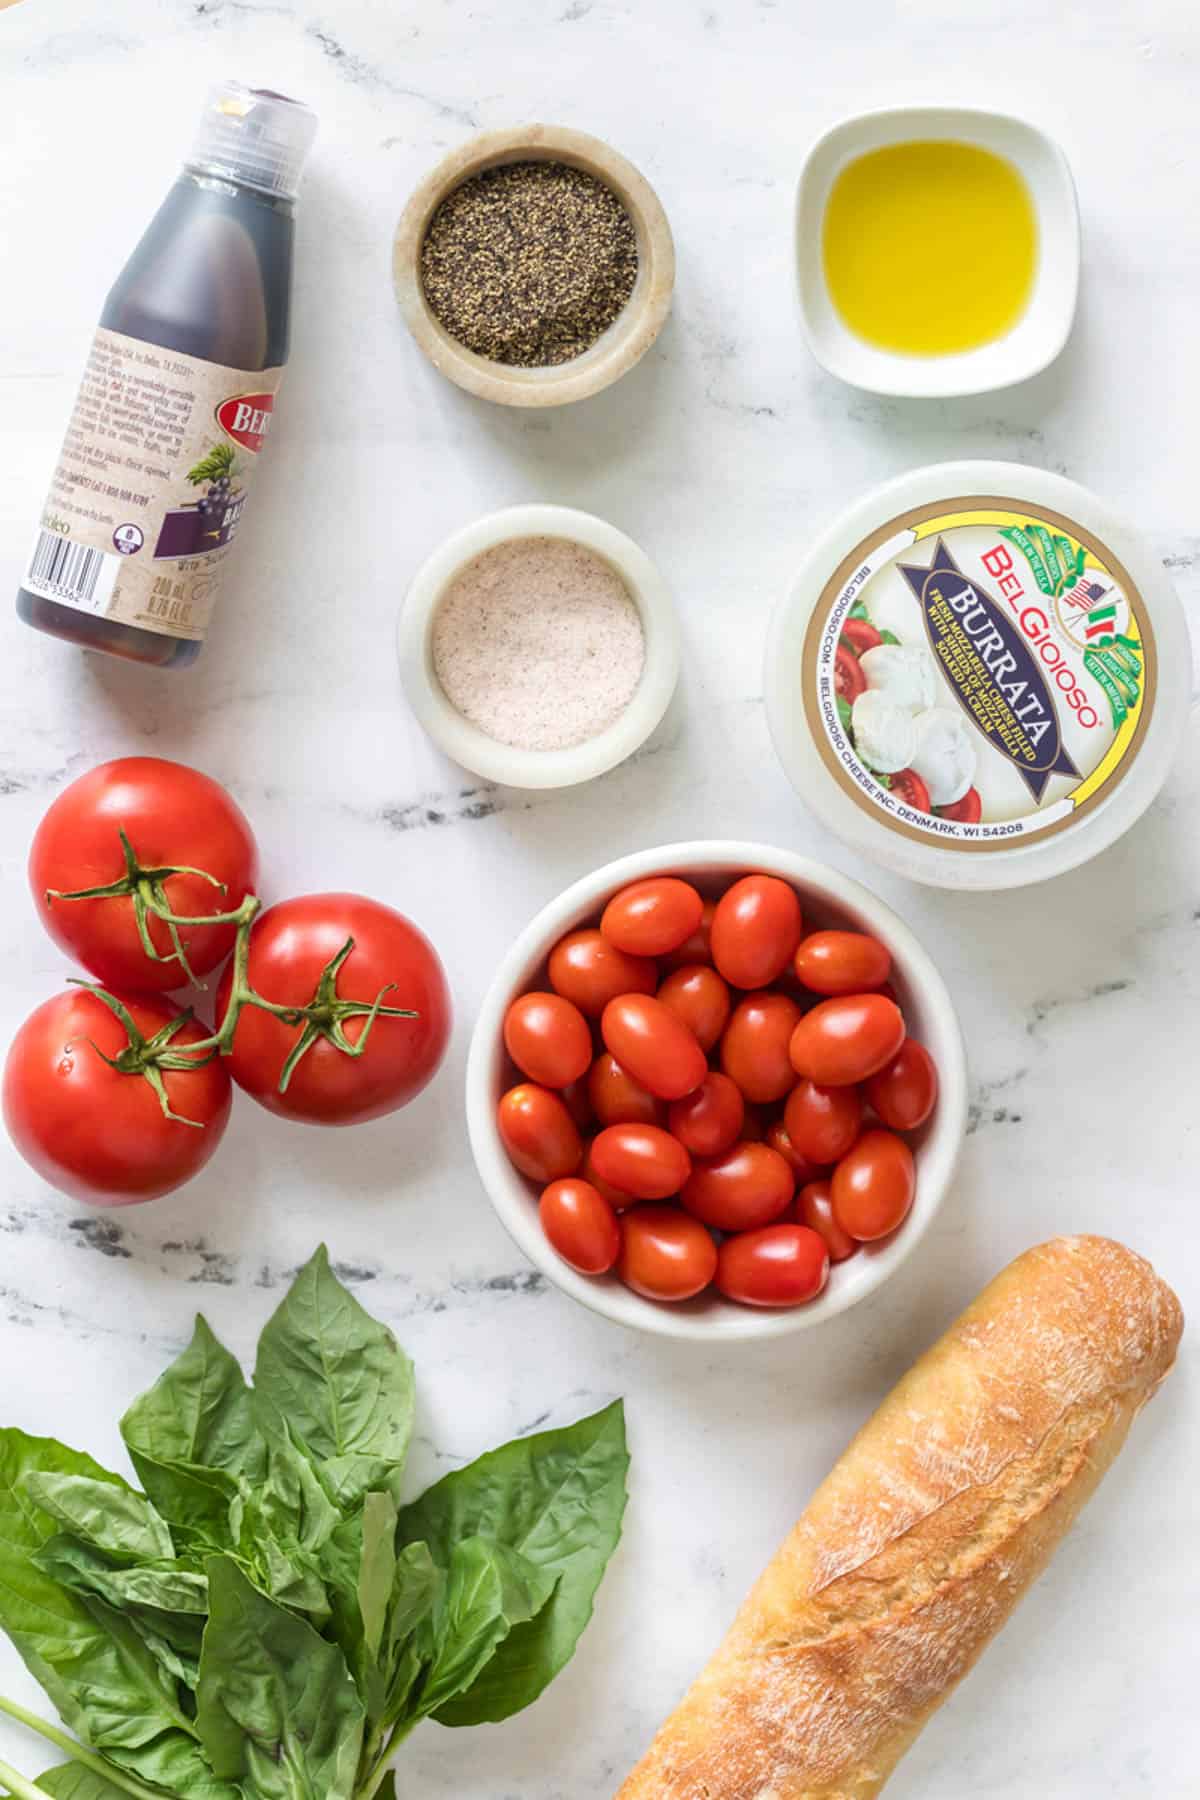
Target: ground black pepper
[(528, 263)]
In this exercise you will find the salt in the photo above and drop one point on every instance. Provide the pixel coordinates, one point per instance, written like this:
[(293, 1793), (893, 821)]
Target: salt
[(538, 643)]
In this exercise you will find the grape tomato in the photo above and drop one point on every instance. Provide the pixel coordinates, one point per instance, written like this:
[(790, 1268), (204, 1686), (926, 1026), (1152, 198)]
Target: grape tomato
[(747, 1186), (823, 1122), (617, 1099), (650, 918), (541, 1137), (665, 1255), (641, 1160), (814, 1208), (904, 1092), (657, 1048), (841, 962), (873, 1186), (755, 930), (755, 1047), (780, 1138), (581, 1225), (700, 1000), (548, 1038), (589, 971), (779, 1265), (711, 1119), (698, 947), (846, 1039), (617, 1198)]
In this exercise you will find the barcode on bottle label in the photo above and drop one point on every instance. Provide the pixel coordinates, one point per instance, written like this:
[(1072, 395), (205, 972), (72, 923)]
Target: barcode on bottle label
[(74, 574)]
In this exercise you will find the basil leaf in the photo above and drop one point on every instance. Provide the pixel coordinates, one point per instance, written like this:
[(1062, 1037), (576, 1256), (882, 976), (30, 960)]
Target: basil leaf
[(293, 1504), (415, 1588), (558, 1498), (107, 1513), (341, 1381), (202, 1506), (71, 1781), (163, 1585), (489, 1589), (377, 1567), (199, 1411), (276, 1708)]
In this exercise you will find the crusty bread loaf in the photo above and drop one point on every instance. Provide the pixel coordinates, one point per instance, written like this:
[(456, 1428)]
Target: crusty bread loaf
[(916, 1548)]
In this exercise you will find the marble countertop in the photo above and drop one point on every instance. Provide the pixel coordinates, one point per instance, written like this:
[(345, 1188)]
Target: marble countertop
[(721, 454)]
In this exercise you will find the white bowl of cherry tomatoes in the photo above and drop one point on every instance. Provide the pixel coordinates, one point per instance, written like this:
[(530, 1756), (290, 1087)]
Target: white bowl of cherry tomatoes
[(717, 1089)]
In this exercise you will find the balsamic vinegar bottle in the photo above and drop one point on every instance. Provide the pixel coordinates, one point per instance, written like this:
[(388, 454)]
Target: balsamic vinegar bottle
[(177, 396)]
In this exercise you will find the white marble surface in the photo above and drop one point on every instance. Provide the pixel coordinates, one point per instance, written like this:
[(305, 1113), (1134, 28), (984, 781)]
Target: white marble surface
[(721, 455)]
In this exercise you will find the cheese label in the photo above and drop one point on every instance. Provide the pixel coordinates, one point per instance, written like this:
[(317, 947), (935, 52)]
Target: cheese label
[(979, 674)]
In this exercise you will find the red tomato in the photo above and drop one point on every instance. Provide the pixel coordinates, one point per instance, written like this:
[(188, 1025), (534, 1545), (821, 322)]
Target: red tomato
[(781, 1265), (845, 1040), (873, 1186), (754, 1049), (860, 636), (697, 948), (711, 1119), (617, 1099), (575, 1098), (539, 1133), (699, 998), (641, 1160), (665, 1255), (616, 1198), (802, 1167), (657, 1049), (848, 679), (589, 971), (290, 946), (968, 810), (649, 918), (823, 1122), (745, 1187), (548, 1039), (909, 788), (905, 1092), (842, 962), (93, 1131), (814, 1208), (581, 1225), (755, 930), (173, 817)]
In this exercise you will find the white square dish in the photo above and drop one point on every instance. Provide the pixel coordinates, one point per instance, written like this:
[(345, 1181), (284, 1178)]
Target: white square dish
[(1044, 325)]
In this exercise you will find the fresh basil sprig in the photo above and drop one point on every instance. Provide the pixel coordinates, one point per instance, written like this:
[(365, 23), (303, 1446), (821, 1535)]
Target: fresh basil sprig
[(267, 1618)]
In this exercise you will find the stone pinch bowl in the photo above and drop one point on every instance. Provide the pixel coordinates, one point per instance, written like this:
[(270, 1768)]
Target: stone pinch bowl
[(628, 337)]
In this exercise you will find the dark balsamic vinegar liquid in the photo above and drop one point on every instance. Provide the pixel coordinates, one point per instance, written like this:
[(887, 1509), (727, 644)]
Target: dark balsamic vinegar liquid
[(211, 278)]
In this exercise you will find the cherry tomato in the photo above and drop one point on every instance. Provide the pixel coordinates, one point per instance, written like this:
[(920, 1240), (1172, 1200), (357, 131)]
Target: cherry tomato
[(617, 1099), (99, 1133), (650, 918), (905, 1091), (173, 817), (616, 1198), (848, 679), (699, 998), (589, 971), (910, 788), (968, 810), (780, 1265), (754, 1049), (575, 1098), (581, 1225), (548, 1039), (746, 1186), (657, 1048), (842, 962), (845, 1040), (291, 944), (823, 1122), (814, 1208), (860, 636), (873, 1186), (641, 1160), (711, 1119), (755, 930), (697, 948), (802, 1167), (665, 1255), (539, 1133)]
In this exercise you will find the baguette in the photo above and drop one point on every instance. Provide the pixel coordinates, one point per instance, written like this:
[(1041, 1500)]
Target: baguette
[(912, 1554)]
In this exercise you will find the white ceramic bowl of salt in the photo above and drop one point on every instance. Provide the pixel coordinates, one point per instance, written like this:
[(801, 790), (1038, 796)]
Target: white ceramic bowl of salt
[(602, 660)]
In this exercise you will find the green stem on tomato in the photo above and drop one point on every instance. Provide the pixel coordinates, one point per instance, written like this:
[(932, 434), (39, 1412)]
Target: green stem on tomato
[(78, 1752)]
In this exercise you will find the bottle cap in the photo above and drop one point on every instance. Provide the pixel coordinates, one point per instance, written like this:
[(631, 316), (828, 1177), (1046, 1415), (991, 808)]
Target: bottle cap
[(254, 136)]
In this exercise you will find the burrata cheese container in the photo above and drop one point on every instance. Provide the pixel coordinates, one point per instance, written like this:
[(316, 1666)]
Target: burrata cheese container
[(980, 676)]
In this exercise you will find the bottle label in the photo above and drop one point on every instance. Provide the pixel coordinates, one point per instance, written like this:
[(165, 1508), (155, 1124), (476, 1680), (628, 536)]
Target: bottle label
[(150, 486), (979, 674)]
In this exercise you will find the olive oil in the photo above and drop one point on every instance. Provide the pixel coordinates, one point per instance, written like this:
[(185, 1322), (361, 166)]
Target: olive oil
[(930, 247)]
